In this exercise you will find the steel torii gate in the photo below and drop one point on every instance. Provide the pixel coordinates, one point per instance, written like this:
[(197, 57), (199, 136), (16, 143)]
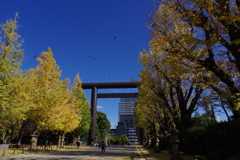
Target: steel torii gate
[(95, 95)]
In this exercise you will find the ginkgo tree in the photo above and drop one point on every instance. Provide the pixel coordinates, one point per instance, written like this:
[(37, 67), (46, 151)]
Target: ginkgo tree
[(82, 108), (202, 35), (12, 94), (54, 106), (175, 96), (148, 109)]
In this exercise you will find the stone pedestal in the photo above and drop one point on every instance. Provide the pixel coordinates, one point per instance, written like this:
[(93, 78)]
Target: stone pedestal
[(174, 140)]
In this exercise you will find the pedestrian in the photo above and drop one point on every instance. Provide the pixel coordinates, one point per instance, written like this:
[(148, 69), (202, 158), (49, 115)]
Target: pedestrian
[(78, 144), (103, 147), (46, 143)]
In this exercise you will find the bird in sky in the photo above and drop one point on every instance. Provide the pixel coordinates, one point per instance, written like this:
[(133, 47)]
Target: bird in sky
[(114, 37)]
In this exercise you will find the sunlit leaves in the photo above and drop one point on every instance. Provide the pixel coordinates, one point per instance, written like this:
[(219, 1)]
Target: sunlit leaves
[(82, 106), (202, 36), (13, 100), (54, 105)]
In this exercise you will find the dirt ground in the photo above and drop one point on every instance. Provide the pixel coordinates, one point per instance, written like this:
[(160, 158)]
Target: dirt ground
[(166, 155)]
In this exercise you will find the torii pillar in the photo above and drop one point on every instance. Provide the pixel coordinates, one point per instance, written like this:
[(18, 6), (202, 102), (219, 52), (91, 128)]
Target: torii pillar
[(95, 95)]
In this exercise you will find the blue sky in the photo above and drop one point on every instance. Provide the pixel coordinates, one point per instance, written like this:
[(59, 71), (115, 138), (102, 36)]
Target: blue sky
[(100, 39)]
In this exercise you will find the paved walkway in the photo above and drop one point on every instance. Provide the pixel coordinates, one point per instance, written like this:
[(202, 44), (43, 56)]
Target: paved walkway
[(87, 153)]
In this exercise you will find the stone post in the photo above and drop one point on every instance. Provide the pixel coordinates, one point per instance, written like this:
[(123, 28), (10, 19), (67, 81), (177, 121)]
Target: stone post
[(149, 141), (34, 141), (145, 142), (62, 141), (174, 140), (156, 148)]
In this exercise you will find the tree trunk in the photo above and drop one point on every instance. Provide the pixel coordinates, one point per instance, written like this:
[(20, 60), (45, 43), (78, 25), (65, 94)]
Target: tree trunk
[(4, 137), (20, 135), (59, 141), (224, 109), (74, 142)]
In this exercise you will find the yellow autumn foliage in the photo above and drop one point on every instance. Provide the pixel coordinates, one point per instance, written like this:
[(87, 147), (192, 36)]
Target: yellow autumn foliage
[(54, 105)]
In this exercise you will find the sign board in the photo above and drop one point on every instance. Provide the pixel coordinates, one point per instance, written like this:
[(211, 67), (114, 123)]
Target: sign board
[(4, 146)]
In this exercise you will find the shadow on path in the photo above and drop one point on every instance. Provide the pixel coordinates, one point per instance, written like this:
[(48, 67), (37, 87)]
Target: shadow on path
[(90, 153)]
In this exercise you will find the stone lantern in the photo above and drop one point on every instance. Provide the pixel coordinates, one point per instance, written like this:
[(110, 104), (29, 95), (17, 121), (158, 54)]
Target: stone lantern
[(174, 140), (156, 148), (62, 141), (34, 141)]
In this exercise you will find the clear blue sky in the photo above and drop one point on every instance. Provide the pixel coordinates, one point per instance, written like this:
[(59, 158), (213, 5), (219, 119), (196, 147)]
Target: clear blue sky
[(100, 39)]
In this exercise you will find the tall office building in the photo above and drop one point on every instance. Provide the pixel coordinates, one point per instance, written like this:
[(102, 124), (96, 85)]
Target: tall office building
[(126, 118), (126, 107)]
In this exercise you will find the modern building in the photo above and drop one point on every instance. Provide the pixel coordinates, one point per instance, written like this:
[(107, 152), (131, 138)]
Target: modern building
[(126, 124), (126, 107)]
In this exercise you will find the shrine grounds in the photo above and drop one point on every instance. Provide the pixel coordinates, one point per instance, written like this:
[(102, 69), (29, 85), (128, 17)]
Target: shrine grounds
[(114, 152)]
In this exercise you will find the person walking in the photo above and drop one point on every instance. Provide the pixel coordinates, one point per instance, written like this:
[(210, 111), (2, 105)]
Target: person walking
[(78, 144), (103, 147)]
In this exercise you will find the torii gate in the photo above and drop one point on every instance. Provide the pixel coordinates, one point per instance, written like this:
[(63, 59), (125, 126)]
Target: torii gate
[(95, 95)]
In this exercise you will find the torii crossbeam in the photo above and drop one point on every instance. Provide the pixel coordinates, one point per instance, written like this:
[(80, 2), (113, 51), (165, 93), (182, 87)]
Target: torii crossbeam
[(95, 95)]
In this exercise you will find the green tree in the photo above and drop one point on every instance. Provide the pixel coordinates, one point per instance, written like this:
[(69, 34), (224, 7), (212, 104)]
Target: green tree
[(103, 126), (202, 120), (83, 109), (117, 139)]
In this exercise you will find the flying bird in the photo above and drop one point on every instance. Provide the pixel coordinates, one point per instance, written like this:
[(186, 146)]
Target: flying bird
[(114, 37), (64, 4)]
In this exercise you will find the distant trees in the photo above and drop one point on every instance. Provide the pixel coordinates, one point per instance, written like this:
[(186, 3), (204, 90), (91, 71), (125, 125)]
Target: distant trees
[(123, 139), (103, 126)]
